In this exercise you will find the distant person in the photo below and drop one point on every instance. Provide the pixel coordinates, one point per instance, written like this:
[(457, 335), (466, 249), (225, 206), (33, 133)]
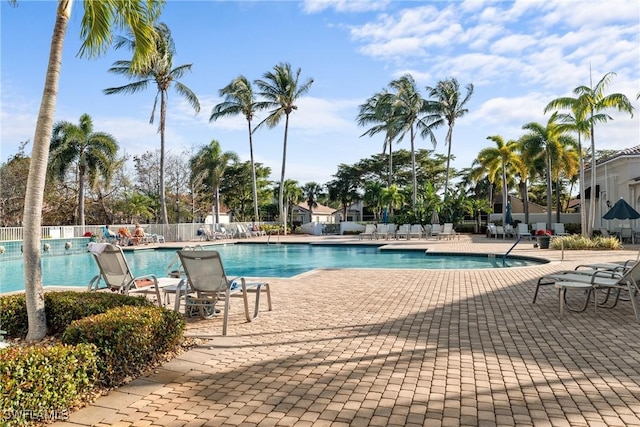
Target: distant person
[(125, 236), (138, 234)]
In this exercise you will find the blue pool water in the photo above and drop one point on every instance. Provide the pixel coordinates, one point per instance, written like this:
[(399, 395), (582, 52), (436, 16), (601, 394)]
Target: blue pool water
[(255, 260)]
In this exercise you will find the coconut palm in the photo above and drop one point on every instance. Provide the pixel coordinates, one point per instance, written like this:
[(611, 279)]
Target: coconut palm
[(280, 90), (587, 107), (378, 112), (161, 72), (449, 106), (239, 99), (410, 114), (208, 166), (292, 195), (89, 153), (100, 18), (545, 142), (311, 191), (502, 158)]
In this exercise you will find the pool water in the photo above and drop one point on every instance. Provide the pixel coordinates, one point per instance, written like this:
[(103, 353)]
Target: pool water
[(255, 260)]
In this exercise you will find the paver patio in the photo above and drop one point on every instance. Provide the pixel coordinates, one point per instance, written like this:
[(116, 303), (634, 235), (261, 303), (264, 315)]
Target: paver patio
[(400, 348)]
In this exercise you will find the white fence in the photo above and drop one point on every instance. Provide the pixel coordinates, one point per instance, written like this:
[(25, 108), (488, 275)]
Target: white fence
[(171, 232)]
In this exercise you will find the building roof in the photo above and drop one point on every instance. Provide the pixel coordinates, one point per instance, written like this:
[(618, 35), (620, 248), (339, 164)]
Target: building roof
[(320, 209), (627, 152)]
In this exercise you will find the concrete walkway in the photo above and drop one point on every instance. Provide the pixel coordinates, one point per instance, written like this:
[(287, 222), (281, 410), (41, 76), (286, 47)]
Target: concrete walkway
[(400, 348)]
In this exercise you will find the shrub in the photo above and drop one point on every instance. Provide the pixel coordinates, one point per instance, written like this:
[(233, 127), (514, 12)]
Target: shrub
[(577, 242), (127, 339), (42, 383), (61, 308)]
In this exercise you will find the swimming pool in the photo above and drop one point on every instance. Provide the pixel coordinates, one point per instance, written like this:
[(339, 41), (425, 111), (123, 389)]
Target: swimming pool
[(257, 260)]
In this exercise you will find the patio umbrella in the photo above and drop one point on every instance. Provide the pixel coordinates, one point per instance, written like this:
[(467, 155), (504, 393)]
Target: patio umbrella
[(622, 210), (385, 216), (508, 219), (434, 217)]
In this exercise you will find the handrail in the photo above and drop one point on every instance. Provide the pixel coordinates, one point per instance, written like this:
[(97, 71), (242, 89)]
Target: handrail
[(504, 257)]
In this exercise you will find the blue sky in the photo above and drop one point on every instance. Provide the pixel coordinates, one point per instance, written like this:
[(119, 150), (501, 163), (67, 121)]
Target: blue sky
[(519, 56)]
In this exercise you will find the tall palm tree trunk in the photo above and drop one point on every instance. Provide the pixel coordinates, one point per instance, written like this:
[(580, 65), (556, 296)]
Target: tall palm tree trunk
[(34, 196), (253, 176), (81, 174), (163, 202), (592, 201), (549, 201), (283, 212), (583, 212), (446, 174), (504, 195), (413, 170)]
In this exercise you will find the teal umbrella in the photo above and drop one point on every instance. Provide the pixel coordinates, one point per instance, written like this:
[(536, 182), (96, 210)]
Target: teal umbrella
[(621, 210), (508, 219)]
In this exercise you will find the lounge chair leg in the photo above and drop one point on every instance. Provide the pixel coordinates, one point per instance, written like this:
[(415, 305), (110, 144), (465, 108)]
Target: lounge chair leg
[(562, 291)]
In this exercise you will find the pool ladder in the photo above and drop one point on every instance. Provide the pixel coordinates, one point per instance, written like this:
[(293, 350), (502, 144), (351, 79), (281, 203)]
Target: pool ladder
[(504, 257)]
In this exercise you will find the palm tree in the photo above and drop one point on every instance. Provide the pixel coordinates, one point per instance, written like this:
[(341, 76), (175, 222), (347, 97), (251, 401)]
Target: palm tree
[(449, 106), (239, 99), (410, 114), (588, 104), (161, 72), (208, 166), (311, 191), (280, 89), (378, 112), (545, 142), (292, 195), (99, 19), (503, 158), (78, 146), (392, 197)]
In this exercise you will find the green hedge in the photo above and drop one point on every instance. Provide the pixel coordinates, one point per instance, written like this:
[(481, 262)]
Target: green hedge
[(41, 383), (128, 339), (61, 308)]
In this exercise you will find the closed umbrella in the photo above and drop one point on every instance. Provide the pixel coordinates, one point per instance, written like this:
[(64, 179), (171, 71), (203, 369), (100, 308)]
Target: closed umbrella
[(508, 219), (385, 216), (434, 217), (621, 210)]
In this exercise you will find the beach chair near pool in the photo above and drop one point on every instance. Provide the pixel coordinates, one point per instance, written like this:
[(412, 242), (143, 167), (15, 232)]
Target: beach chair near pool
[(209, 285), (593, 280), (116, 275), (369, 232)]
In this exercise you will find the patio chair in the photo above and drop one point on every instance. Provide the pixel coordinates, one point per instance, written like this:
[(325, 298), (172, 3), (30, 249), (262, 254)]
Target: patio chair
[(558, 229), (403, 231), (116, 275), (448, 231), (369, 232), (523, 231), (435, 230), (108, 235), (416, 231), (209, 284), (492, 230), (594, 280)]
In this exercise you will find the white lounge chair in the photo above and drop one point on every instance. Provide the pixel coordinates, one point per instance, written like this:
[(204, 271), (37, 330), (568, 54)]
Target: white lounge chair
[(369, 232), (116, 275), (592, 281), (558, 229), (435, 230), (447, 231), (523, 231), (403, 231), (492, 230), (209, 285), (416, 231)]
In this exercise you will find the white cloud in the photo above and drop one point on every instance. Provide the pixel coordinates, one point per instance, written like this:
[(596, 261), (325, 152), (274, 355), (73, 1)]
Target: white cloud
[(316, 6)]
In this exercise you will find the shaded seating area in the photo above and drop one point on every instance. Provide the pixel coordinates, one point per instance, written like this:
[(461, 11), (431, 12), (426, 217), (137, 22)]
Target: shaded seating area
[(208, 285)]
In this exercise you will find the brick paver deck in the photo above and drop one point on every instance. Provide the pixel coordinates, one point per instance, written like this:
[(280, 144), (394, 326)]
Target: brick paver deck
[(400, 348)]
